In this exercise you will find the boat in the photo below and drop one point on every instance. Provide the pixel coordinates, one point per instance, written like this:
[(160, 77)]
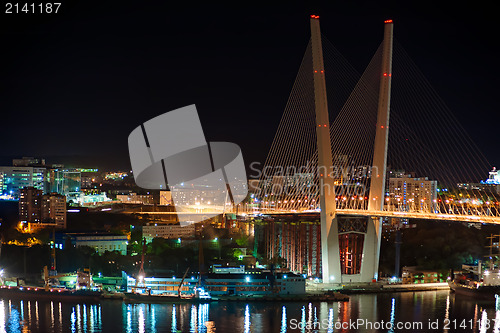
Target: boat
[(53, 294), (163, 298), (474, 289), (476, 283)]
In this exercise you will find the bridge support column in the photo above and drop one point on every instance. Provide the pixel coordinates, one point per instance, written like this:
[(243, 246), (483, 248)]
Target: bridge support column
[(329, 228), (378, 172)]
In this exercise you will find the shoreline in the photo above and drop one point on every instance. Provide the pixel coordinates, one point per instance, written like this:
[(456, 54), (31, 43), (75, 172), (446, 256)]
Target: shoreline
[(391, 288), (316, 295)]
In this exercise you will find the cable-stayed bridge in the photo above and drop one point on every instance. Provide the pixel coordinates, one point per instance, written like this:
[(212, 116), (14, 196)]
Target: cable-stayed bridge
[(393, 149), (357, 148)]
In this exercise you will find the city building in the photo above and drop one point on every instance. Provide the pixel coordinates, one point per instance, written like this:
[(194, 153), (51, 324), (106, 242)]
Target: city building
[(67, 182), (37, 210), (30, 202), (413, 275), (2, 196), (101, 242), (28, 161), (87, 181), (91, 197), (33, 172), (168, 231), (494, 177), (407, 193), (490, 185), (88, 177), (16, 177), (134, 198), (489, 188), (53, 210)]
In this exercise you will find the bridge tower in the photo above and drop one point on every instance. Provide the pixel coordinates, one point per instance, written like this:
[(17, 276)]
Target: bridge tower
[(378, 172), (329, 227), (350, 245)]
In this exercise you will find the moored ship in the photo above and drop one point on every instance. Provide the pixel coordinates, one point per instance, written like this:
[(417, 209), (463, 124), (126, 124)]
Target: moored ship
[(56, 294), (475, 289), (479, 284)]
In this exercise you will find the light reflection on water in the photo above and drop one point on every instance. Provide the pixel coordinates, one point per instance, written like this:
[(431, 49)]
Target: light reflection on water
[(438, 307)]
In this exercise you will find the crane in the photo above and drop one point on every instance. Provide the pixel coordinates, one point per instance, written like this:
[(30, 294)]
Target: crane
[(182, 281)]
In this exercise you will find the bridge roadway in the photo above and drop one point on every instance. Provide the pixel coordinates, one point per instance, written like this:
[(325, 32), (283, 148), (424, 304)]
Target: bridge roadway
[(374, 213)]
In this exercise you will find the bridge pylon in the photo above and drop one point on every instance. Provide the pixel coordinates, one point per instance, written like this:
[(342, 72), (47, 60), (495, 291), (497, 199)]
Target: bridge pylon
[(329, 227), (350, 245), (379, 166)]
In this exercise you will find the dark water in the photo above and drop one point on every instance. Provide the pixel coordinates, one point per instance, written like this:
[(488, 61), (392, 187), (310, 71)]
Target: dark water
[(431, 311)]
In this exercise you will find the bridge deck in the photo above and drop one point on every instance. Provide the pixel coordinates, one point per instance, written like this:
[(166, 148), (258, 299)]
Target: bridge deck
[(374, 213)]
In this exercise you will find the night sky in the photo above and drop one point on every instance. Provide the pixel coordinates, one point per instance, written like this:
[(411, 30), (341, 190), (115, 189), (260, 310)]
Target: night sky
[(78, 82)]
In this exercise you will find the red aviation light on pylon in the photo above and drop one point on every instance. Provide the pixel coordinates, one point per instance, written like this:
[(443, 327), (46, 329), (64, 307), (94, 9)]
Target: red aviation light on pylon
[(388, 21), (314, 16)]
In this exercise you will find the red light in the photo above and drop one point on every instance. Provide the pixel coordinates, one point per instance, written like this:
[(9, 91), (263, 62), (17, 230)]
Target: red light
[(390, 74), (324, 125), (381, 126), (385, 74), (319, 125), (322, 71), (315, 71), (315, 16), (388, 21)]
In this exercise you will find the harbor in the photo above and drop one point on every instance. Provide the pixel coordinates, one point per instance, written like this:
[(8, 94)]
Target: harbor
[(439, 306)]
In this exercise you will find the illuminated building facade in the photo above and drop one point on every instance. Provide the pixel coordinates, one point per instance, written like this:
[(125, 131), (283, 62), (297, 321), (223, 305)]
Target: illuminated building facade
[(38, 210), (491, 185), (101, 242), (412, 194), (494, 177), (167, 231), (30, 200), (67, 182), (413, 275), (53, 210), (91, 197), (32, 172), (15, 178), (88, 178), (1, 183), (134, 198)]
